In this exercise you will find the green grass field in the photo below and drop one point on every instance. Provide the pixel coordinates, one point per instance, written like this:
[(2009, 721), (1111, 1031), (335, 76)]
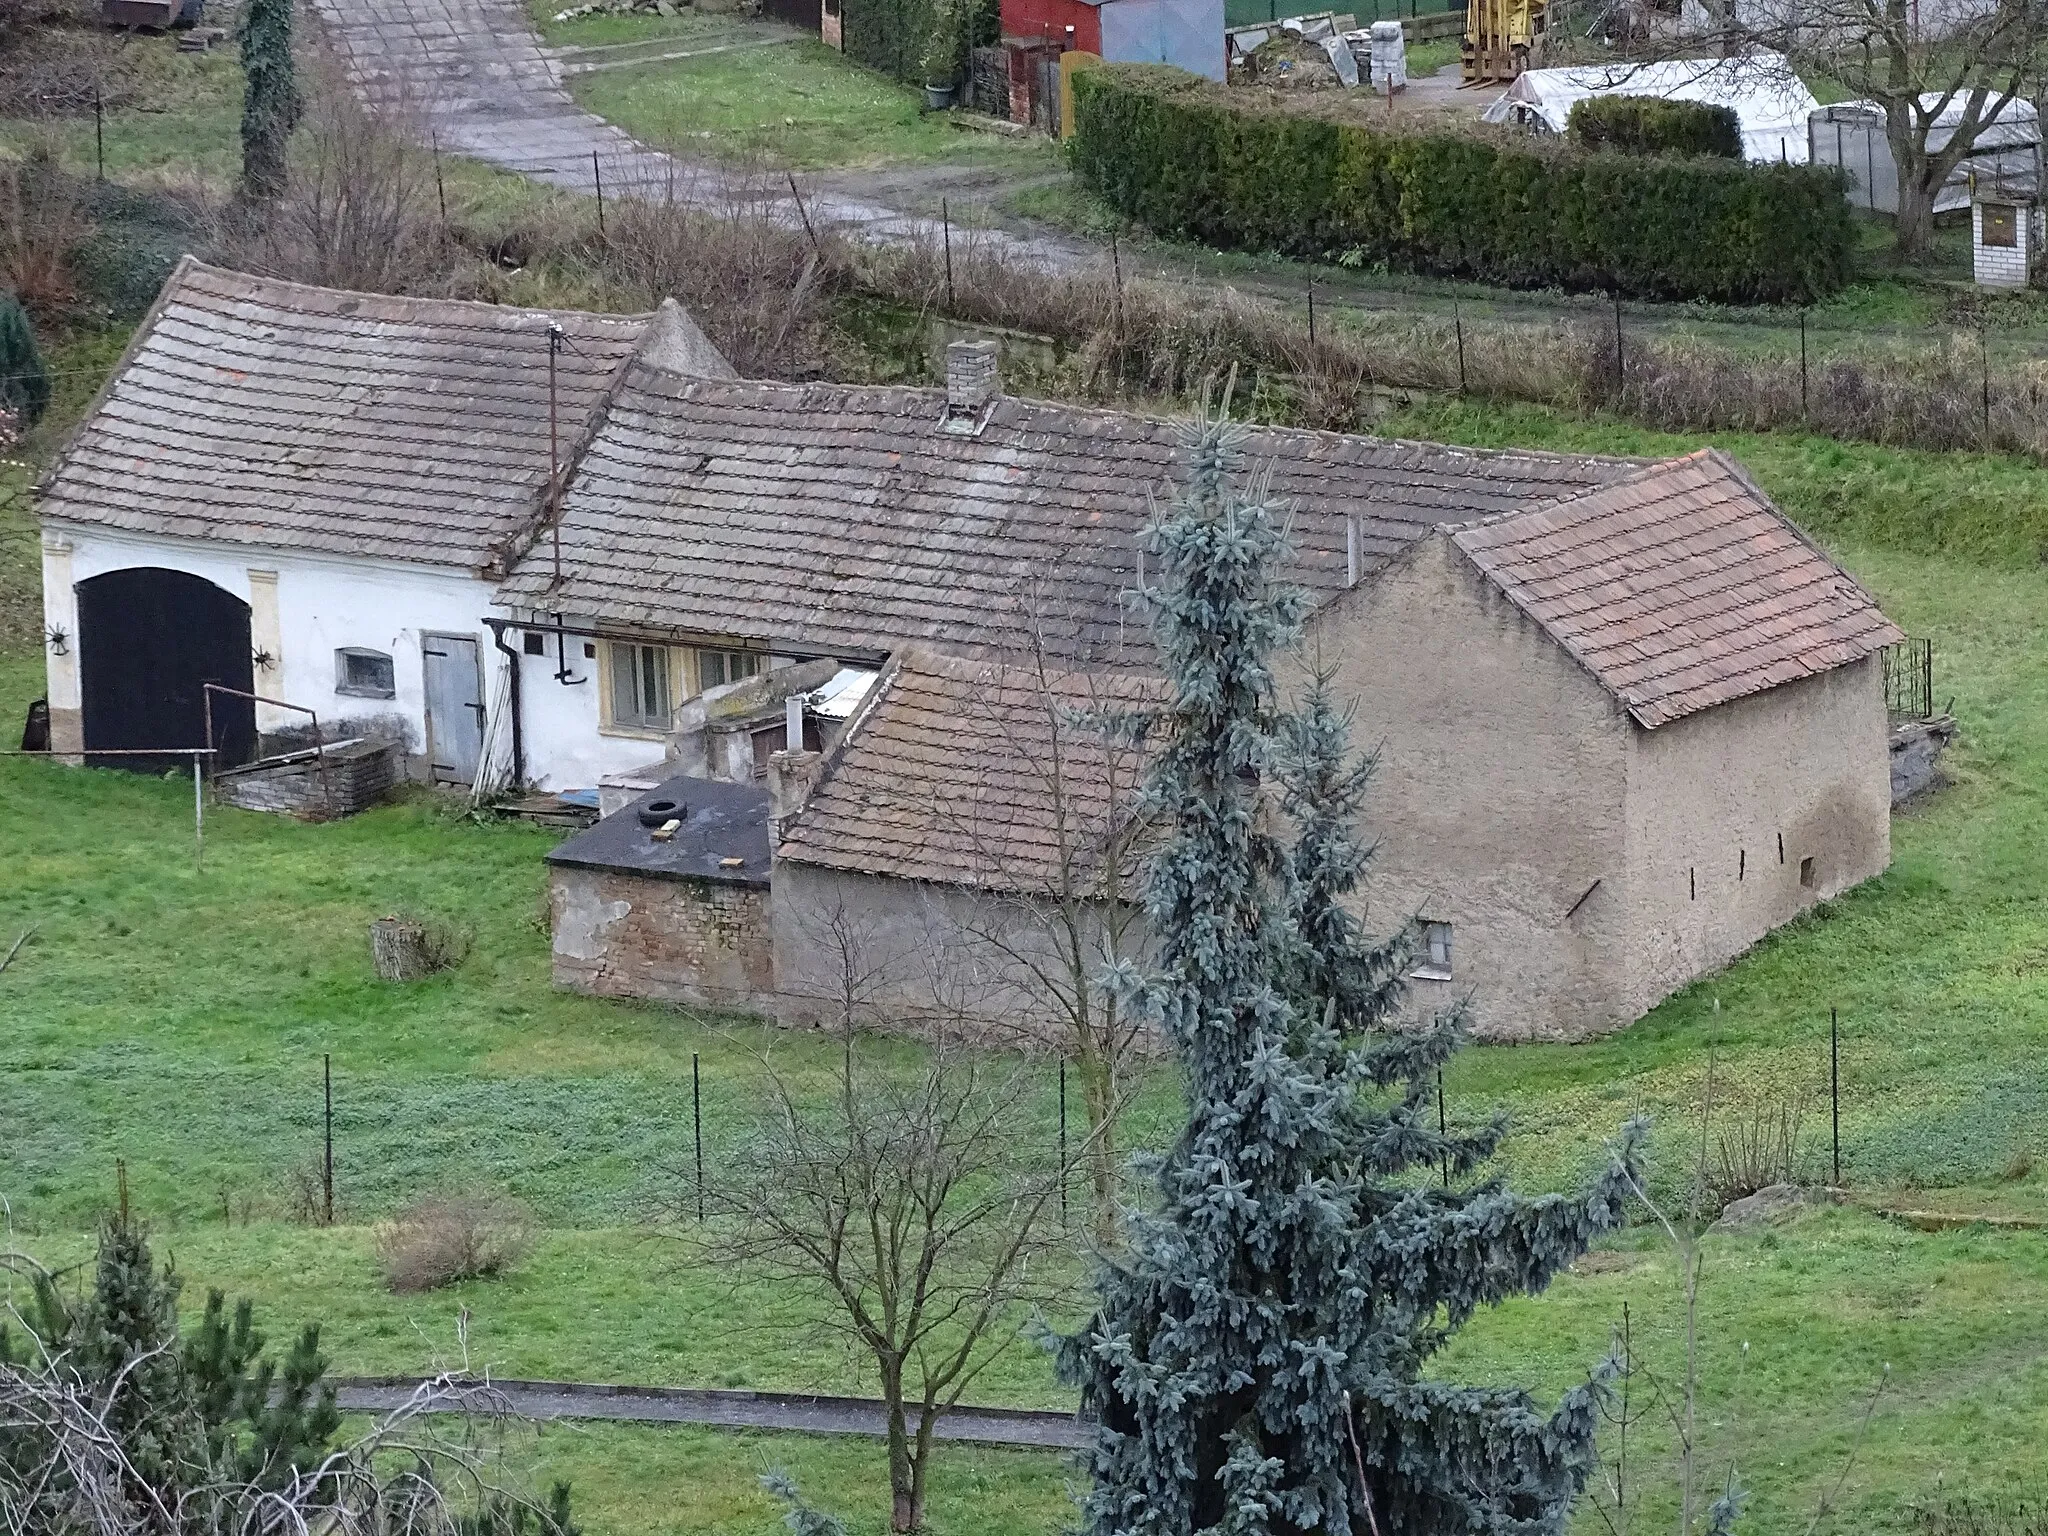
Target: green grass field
[(800, 105), (175, 1017)]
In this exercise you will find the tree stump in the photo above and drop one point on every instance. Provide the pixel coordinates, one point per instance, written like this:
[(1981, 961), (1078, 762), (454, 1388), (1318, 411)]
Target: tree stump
[(400, 950)]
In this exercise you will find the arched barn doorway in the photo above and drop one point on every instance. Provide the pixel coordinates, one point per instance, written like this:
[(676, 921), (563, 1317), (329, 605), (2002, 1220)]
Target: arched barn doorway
[(147, 640)]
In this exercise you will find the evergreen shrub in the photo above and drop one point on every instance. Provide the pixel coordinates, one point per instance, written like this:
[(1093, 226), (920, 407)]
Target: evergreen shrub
[(1650, 125), (894, 36), (1179, 155), (24, 380)]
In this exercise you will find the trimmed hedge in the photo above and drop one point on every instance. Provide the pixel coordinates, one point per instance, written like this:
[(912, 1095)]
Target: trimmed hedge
[(1177, 154), (1651, 125)]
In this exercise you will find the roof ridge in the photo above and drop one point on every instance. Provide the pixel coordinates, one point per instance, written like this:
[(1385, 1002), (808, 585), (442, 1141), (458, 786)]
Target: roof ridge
[(191, 265), (1636, 476), (1113, 413), (519, 540), (1579, 589)]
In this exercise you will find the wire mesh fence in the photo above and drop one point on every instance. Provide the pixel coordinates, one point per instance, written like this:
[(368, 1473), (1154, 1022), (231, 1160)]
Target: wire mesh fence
[(1246, 13)]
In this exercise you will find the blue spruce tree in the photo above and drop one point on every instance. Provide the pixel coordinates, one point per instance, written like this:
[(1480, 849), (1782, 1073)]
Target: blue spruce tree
[(1262, 1342)]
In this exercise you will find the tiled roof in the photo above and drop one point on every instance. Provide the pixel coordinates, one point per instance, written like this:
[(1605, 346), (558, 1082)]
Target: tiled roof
[(846, 519), (292, 417), (978, 772), (1679, 588)]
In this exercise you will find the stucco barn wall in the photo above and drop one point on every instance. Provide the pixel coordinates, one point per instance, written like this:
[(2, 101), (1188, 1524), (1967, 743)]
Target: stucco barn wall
[(924, 954), (1710, 796), (1499, 797), (700, 942), (321, 605)]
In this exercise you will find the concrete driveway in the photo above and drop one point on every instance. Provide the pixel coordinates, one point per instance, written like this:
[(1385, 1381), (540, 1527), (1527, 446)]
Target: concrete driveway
[(475, 77)]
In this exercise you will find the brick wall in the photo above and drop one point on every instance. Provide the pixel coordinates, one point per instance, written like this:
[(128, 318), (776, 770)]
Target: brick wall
[(681, 941), (2000, 266), (354, 779)]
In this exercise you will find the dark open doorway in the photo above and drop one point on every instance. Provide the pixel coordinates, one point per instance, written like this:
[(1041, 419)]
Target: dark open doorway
[(147, 640)]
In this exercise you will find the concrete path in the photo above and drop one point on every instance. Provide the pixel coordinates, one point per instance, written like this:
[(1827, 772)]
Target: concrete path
[(474, 75), (476, 78), (735, 1410)]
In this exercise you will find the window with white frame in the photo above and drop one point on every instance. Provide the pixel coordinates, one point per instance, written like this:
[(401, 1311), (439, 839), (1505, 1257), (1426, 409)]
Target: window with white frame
[(363, 673), (717, 668), (639, 693), (1434, 961)]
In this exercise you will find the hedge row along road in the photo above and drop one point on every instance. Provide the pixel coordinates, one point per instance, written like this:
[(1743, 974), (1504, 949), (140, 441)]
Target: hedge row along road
[(1188, 158)]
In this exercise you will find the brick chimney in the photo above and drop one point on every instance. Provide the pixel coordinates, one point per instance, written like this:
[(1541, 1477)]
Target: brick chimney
[(973, 381)]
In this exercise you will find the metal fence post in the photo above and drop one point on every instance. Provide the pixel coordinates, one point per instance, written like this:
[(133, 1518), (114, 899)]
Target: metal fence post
[(1617, 346), (327, 1149), (1802, 365), (1835, 1087)]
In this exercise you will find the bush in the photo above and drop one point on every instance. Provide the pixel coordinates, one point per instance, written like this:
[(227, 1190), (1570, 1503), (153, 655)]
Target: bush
[(24, 381), (445, 1238), (1759, 1151), (894, 37), (1650, 125), (1182, 156)]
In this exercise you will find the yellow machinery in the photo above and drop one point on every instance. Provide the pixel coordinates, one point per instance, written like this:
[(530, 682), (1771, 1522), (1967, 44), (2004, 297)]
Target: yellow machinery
[(1501, 37)]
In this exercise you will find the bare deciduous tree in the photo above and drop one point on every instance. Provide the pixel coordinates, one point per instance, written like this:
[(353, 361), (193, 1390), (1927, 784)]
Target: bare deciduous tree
[(65, 1467), (1918, 61), (1064, 921), (359, 209), (911, 1205)]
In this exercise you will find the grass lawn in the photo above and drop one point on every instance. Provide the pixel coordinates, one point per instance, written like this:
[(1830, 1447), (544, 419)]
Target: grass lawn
[(175, 1017), (181, 120), (800, 105)]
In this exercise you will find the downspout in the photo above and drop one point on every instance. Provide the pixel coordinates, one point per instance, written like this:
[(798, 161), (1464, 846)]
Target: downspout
[(497, 628)]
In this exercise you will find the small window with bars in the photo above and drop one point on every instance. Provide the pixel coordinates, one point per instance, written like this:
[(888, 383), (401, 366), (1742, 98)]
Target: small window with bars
[(639, 686)]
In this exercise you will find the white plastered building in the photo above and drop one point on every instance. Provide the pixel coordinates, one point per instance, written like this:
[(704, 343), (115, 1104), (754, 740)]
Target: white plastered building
[(305, 498)]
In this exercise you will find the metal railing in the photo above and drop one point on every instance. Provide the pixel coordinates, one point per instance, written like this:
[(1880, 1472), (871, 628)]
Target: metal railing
[(1909, 680), (318, 749)]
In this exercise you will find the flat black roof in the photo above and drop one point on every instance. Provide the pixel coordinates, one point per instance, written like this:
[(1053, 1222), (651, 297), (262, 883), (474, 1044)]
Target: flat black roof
[(720, 822)]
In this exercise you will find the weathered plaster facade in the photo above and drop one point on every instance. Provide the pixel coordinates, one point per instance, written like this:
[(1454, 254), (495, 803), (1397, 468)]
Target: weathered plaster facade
[(700, 942), (925, 955), (1510, 782), (1499, 798), (305, 605), (1712, 799)]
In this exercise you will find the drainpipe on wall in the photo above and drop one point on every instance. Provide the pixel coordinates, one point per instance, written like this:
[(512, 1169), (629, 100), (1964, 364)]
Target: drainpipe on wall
[(497, 628)]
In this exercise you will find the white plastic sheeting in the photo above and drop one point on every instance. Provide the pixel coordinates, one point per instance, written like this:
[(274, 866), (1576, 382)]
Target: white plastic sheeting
[(1771, 102), (1851, 134)]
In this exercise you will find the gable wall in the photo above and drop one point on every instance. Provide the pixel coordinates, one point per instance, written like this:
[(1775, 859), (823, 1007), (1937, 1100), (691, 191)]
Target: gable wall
[(1710, 795), (1499, 797)]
